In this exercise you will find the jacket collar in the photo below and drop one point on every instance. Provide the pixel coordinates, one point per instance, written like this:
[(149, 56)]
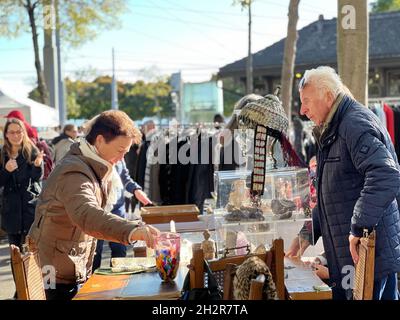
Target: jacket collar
[(100, 169), (327, 136), (332, 112)]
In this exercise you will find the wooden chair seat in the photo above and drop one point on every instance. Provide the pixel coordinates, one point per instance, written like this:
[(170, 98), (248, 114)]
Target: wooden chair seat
[(364, 275), (27, 274)]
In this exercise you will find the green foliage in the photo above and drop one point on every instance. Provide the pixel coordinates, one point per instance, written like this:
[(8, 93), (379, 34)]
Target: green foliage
[(13, 18), (385, 6), (79, 21), (86, 99), (35, 95), (243, 3)]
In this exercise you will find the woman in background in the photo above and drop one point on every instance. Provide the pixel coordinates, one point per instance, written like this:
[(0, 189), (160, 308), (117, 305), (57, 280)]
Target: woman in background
[(20, 169)]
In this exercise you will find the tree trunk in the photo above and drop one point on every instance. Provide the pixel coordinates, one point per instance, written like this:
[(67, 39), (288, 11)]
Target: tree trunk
[(352, 47), (40, 77), (289, 57), (249, 67)]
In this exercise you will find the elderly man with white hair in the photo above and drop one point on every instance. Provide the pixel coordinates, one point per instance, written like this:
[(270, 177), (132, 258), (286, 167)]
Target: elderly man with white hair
[(358, 180)]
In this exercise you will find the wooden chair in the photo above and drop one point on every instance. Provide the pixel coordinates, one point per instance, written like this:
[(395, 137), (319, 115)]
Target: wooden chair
[(225, 268), (27, 273), (364, 275)]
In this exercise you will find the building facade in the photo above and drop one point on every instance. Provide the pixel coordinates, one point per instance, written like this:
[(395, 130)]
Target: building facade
[(316, 45)]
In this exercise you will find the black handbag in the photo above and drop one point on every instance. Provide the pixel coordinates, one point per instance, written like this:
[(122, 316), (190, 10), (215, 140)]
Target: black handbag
[(212, 292)]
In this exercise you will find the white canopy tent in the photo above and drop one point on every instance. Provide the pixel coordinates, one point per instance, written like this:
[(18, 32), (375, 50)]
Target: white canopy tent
[(36, 114)]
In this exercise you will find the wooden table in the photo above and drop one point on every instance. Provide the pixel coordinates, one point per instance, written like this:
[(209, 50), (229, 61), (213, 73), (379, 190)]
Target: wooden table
[(142, 285), (300, 282), (103, 287), (139, 286)]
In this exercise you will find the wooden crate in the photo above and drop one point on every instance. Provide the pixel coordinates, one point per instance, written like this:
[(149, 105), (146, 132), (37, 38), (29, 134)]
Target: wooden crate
[(164, 214)]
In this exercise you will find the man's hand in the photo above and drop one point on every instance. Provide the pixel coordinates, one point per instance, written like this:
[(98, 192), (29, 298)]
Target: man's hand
[(142, 197), (146, 233), (321, 271), (354, 241)]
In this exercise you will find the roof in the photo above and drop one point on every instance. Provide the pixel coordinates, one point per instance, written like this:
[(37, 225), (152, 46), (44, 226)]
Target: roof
[(35, 113), (317, 43)]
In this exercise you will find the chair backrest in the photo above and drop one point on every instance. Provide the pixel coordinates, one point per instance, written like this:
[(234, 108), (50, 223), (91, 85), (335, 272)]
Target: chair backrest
[(27, 274), (224, 270), (364, 275)]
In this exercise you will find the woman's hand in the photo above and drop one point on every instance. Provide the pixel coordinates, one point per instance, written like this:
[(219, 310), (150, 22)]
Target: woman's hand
[(321, 271), (39, 159), (11, 165), (142, 197), (146, 233)]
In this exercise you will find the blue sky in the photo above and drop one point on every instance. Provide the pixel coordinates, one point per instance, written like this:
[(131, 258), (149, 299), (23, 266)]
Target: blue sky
[(194, 36)]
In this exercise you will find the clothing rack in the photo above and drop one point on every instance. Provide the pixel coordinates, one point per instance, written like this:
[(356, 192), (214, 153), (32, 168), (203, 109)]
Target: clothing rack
[(201, 125), (384, 100)]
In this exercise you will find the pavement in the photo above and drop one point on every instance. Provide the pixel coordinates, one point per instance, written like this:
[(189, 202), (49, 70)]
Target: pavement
[(7, 287)]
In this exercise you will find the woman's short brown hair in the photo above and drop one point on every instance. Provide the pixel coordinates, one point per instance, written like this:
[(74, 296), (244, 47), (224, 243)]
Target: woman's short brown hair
[(111, 124)]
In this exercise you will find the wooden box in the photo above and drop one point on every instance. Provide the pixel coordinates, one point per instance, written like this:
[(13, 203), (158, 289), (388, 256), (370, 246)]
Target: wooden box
[(164, 214)]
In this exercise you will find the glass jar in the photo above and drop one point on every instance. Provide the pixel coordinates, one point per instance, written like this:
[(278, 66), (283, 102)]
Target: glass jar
[(168, 249)]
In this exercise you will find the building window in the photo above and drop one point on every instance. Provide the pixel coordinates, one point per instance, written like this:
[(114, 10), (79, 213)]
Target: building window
[(394, 83)]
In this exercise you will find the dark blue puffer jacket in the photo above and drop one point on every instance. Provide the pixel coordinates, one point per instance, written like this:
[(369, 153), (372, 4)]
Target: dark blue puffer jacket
[(358, 181)]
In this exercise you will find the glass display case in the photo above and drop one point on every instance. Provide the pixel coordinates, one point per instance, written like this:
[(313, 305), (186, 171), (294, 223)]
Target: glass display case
[(223, 185), (282, 211)]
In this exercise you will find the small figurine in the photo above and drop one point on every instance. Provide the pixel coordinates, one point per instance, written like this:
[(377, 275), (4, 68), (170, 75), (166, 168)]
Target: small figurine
[(240, 196), (241, 206), (208, 246)]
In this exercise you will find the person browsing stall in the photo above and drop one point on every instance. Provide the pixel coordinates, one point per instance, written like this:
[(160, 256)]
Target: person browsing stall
[(74, 207), (358, 180)]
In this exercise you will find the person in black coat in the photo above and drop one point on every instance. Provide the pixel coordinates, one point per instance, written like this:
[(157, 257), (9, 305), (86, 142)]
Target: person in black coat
[(358, 181), (20, 171)]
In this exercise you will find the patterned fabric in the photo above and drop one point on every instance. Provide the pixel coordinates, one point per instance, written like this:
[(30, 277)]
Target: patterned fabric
[(267, 111), (250, 269), (268, 118), (260, 154)]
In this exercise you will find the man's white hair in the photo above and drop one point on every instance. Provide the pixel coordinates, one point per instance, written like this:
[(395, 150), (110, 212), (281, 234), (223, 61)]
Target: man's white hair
[(325, 79)]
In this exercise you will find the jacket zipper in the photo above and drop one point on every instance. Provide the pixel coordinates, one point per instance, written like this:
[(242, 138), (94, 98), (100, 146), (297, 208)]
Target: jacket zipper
[(321, 204)]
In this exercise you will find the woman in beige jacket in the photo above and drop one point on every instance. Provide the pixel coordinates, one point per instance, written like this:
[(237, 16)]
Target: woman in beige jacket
[(74, 207)]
